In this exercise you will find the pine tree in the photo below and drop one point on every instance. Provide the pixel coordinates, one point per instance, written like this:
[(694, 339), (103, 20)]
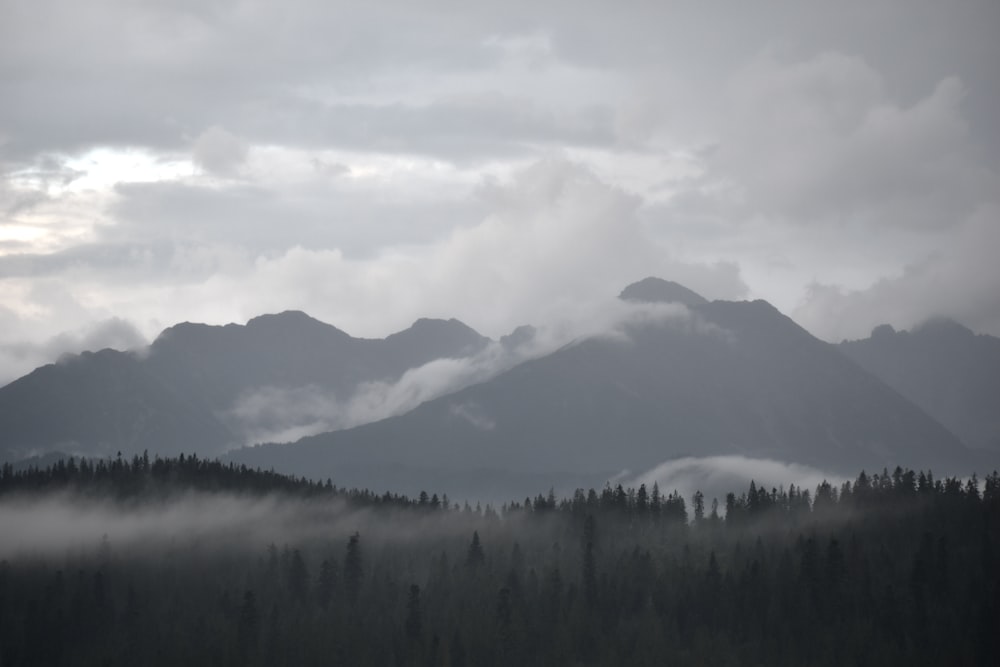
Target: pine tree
[(327, 583), (589, 569), (698, 501), (504, 623), (413, 620), (353, 568), (298, 577), (248, 626), (475, 556)]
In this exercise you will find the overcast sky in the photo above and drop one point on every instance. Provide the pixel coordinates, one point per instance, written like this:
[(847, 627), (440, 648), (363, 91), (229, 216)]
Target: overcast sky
[(375, 162)]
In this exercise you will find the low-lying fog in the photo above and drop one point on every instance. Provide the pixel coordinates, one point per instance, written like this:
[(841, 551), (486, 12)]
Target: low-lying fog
[(55, 523)]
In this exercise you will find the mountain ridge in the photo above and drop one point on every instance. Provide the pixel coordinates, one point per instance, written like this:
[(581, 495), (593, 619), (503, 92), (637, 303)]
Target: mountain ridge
[(711, 378), (729, 378), (193, 375), (943, 366)]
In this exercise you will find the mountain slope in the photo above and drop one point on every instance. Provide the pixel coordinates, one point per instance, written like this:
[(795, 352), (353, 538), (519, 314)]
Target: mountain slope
[(733, 378), (179, 395), (292, 349), (943, 367), (99, 403)]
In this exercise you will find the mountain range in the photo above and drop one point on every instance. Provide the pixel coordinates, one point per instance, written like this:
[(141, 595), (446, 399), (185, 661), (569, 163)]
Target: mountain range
[(183, 393), (943, 367), (678, 376), (716, 378)]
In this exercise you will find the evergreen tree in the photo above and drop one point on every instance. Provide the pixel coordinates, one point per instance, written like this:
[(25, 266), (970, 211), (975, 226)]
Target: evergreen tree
[(327, 583), (298, 577), (475, 556), (247, 628), (589, 568), (698, 502), (353, 568), (414, 623)]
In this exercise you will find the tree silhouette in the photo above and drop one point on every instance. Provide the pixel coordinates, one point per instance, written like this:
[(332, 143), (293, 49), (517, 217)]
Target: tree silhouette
[(475, 556), (414, 623), (353, 568)]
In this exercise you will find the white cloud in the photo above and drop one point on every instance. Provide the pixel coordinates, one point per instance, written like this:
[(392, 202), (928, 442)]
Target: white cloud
[(18, 357), (960, 281), (554, 239), (843, 155), (822, 140), (715, 476)]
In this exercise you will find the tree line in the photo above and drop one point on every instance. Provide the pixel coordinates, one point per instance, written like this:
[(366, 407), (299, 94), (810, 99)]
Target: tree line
[(888, 568)]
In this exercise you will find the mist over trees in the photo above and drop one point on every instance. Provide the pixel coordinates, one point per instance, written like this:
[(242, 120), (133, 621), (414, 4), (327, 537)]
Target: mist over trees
[(894, 567)]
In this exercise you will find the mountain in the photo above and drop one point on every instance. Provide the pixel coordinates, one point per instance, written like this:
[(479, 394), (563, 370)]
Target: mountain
[(946, 369), (726, 378), (291, 349), (182, 393), (658, 290), (99, 403)]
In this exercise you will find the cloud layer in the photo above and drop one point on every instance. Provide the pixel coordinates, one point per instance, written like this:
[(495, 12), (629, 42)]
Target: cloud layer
[(370, 165)]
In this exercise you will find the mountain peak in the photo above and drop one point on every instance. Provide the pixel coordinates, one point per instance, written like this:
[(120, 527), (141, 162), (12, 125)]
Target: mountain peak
[(434, 323), (883, 331), (289, 320), (658, 290), (942, 327), (438, 338)]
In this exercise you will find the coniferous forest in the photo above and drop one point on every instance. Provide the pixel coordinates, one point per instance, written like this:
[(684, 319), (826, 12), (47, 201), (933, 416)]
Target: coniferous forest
[(190, 561)]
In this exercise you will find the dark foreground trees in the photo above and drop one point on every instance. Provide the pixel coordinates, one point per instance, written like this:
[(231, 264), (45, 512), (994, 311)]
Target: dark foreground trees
[(895, 568)]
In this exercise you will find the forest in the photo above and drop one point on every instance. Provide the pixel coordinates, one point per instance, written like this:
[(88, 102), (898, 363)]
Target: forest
[(192, 561)]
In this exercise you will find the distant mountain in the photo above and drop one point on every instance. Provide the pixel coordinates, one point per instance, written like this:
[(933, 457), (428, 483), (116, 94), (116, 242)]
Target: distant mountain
[(943, 367), (178, 395), (100, 403), (658, 290), (732, 378), (291, 349)]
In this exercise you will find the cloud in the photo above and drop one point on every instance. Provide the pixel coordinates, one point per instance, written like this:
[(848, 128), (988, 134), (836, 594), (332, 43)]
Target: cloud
[(542, 246), (823, 140), (18, 357), (960, 281), (551, 238), (835, 192), (756, 154), (55, 523), (715, 476), (219, 152)]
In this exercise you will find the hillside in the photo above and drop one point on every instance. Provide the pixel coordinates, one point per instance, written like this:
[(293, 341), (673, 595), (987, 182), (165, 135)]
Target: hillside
[(946, 369), (185, 391)]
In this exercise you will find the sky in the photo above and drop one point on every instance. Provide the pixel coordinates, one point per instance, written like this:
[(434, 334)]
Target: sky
[(499, 162)]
